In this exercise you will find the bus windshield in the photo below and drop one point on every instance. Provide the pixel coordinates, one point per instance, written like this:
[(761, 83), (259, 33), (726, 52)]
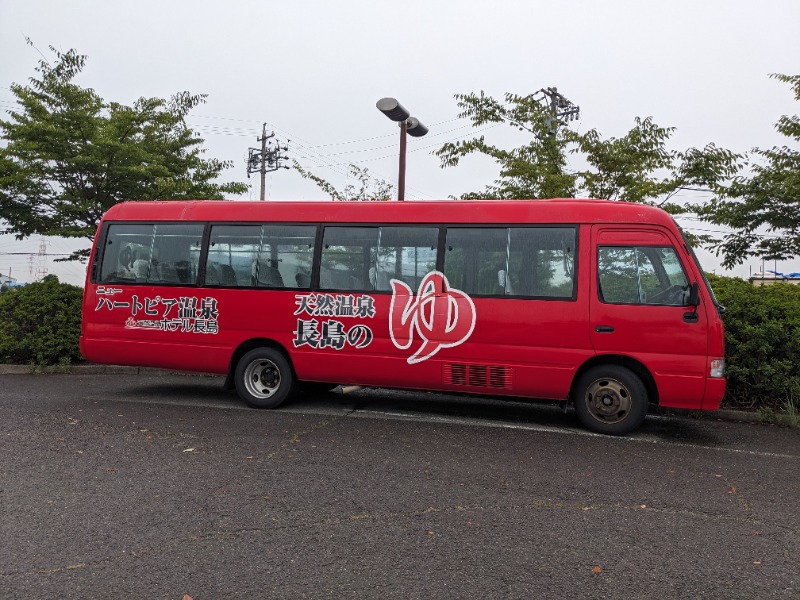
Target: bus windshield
[(689, 247)]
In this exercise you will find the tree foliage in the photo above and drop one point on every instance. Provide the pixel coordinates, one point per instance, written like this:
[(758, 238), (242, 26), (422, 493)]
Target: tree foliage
[(537, 169), (762, 205), (367, 188), (69, 155), (637, 167), (40, 323)]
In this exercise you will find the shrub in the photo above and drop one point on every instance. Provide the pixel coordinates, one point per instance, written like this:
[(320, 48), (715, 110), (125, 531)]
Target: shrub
[(40, 323), (762, 342)]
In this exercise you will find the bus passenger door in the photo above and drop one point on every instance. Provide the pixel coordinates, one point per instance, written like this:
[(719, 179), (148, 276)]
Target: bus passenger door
[(639, 309)]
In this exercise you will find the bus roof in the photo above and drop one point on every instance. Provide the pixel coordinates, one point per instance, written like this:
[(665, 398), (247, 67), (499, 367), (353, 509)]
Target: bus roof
[(444, 211)]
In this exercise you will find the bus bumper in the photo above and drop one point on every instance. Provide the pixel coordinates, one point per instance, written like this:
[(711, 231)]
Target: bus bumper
[(715, 390)]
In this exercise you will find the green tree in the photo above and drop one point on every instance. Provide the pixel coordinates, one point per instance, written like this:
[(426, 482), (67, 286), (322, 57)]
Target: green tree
[(367, 188), (763, 205), (637, 167), (537, 169), (69, 155)]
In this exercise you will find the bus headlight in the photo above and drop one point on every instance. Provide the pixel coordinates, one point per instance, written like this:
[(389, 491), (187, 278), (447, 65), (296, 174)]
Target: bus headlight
[(717, 367)]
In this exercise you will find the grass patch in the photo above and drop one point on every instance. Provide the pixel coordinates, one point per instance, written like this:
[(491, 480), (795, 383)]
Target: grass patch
[(788, 416)]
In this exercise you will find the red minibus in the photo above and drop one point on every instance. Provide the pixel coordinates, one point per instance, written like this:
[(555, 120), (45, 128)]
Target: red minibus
[(597, 303)]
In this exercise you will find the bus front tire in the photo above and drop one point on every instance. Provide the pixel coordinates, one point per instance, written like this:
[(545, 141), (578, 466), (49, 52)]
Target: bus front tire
[(610, 399), (264, 378)]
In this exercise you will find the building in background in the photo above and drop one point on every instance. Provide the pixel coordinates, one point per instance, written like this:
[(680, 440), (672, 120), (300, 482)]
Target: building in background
[(771, 277)]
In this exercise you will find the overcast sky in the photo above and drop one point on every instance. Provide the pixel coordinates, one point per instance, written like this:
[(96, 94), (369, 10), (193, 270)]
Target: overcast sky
[(313, 71)]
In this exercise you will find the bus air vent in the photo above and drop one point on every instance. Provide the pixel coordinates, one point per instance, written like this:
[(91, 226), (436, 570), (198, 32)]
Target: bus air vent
[(483, 376)]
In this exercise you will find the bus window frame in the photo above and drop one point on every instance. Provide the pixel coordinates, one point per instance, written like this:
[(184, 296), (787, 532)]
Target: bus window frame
[(314, 285)]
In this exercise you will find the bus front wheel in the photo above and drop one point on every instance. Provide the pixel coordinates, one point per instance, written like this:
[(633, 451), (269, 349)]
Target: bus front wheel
[(264, 378), (610, 399)]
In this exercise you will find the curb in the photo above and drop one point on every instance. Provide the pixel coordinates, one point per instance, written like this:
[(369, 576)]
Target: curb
[(88, 370), (736, 415)]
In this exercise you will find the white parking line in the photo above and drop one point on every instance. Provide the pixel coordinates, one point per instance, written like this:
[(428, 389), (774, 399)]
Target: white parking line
[(480, 422), (350, 412)]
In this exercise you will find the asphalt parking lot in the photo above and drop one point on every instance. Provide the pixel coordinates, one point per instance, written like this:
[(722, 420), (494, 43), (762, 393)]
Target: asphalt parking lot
[(154, 486)]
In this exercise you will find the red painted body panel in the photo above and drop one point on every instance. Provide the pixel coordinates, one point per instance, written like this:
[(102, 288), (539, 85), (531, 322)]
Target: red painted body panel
[(674, 351), (715, 390), (539, 345)]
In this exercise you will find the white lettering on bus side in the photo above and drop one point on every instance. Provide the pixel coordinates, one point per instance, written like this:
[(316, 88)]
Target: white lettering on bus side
[(193, 315), (332, 333), (335, 305)]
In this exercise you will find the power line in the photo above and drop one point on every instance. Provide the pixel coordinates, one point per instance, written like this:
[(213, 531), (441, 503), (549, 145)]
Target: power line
[(35, 254), (307, 150)]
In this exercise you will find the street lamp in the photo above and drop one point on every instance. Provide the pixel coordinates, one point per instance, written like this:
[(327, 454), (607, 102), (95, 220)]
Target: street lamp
[(408, 125)]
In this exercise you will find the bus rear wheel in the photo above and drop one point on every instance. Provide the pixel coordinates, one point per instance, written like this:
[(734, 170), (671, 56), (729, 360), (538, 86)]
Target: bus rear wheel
[(610, 399), (264, 378)]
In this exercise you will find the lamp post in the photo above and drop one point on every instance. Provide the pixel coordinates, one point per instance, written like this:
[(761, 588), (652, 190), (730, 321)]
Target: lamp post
[(408, 125)]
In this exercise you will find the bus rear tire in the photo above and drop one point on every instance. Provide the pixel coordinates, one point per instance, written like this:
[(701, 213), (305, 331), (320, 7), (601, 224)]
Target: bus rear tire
[(610, 399), (264, 378)]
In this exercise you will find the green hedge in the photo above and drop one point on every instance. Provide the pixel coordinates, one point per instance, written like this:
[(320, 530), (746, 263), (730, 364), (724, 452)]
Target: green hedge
[(40, 323), (762, 343)]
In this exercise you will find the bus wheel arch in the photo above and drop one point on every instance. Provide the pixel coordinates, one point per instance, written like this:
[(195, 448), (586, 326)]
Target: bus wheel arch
[(262, 373), (611, 394)]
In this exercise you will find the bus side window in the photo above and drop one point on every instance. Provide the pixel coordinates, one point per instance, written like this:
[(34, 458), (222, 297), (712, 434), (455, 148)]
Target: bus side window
[(475, 255), (406, 253), (175, 252), (345, 257), (641, 275), (286, 252), (537, 262), (232, 250)]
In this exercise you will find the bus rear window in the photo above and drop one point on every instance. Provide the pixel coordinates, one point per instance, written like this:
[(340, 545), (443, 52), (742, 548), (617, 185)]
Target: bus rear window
[(163, 253)]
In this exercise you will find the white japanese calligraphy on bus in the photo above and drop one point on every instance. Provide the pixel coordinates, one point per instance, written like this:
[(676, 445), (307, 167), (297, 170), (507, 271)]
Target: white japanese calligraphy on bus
[(187, 314), (441, 316), (331, 332)]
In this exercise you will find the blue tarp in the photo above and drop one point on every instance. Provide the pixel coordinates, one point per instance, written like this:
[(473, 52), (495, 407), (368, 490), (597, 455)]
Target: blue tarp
[(784, 274)]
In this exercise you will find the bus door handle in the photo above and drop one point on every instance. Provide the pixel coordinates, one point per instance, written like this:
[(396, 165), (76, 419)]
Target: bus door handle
[(604, 329)]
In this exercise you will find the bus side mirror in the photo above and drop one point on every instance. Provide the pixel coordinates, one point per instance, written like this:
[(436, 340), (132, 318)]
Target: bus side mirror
[(694, 295)]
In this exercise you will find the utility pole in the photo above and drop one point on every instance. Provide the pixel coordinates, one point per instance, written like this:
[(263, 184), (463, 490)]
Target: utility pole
[(266, 160), (561, 108), (40, 270)]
